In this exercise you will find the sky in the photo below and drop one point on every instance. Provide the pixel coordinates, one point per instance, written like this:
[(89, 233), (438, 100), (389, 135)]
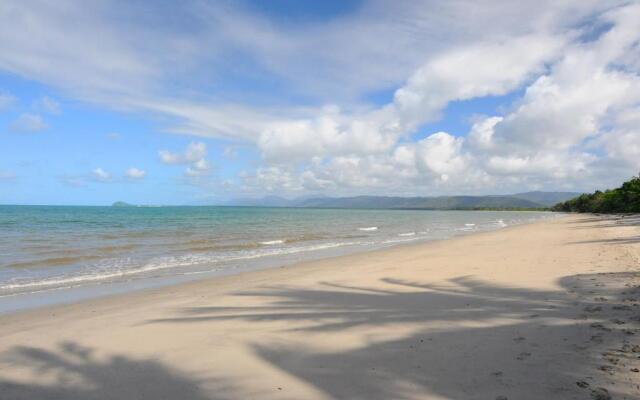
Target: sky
[(199, 102)]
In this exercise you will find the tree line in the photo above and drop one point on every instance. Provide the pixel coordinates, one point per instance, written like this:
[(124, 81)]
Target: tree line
[(625, 199)]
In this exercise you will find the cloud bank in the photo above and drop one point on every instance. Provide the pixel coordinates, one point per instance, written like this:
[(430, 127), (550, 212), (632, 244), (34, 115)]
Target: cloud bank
[(565, 73)]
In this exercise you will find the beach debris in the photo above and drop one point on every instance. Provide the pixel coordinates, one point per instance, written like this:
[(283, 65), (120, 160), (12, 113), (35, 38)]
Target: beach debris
[(582, 384), (635, 370), (600, 394), (597, 325), (606, 368), (612, 360)]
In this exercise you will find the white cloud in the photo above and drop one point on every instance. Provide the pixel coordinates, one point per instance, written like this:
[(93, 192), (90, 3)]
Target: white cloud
[(135, 173), (198, 168), (48, 105), (101, 175), (194, 155), (575, 92), (194, 152), (479, 70), (6, 99), (27, 122)]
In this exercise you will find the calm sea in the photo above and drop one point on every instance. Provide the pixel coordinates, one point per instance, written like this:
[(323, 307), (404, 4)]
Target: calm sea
[(49, 248)]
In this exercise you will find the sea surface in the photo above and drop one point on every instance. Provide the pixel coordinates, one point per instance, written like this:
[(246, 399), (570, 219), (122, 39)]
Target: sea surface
[(50, 254)]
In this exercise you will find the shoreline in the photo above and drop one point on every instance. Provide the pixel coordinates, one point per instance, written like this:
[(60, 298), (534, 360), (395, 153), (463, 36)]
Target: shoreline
[(53, 297), (525, 312)]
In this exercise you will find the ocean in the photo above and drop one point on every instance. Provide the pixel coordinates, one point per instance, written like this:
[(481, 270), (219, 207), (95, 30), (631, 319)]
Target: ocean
[(52, 254)]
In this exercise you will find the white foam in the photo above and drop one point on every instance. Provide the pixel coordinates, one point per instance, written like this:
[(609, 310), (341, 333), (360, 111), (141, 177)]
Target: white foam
[(272, 242), (161, 264), (406, 239), (469, 224), (407, 234), (369, 228)]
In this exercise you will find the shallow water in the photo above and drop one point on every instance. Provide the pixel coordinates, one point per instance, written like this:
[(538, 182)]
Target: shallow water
[(45, 248)]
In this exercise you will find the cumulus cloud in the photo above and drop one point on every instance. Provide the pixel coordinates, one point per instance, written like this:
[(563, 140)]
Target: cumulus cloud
[(27, 122), (577, 118), (198, 168), (48, 105), (194, 155), (135, 173), (568, 72), (194, 152), (479, 70), (100, 175)]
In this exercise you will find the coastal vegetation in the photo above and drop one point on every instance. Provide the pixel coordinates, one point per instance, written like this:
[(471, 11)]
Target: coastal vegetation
[(625, 199)]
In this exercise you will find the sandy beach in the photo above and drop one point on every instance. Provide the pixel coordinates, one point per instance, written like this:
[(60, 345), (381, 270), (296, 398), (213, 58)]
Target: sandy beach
[(549, 310)]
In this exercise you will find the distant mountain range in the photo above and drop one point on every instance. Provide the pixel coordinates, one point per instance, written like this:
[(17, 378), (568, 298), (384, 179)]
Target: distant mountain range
[(532, 200)]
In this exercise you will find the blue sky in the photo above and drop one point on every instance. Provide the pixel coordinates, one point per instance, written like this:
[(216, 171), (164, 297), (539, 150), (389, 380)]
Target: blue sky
[(206, 102)]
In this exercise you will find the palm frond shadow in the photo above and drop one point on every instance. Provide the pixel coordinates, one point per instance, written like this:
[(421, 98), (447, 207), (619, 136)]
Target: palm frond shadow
[(478, 341), (74, 372)]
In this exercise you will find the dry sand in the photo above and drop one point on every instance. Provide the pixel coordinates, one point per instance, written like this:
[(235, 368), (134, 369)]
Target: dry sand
[(548, 310)]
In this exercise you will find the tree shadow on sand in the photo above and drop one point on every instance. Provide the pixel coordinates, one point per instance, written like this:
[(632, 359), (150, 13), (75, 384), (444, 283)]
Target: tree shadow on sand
[(472, 339), (74, 372)]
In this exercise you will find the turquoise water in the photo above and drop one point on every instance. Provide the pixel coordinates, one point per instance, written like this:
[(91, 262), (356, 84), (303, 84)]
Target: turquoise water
[(48, 248)]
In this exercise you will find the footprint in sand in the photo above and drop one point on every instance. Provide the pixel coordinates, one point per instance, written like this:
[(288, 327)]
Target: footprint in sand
[(600, 394), (606, 368), (599, 326)]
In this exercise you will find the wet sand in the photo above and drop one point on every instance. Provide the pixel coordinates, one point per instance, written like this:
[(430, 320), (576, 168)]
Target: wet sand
[(549, 310)]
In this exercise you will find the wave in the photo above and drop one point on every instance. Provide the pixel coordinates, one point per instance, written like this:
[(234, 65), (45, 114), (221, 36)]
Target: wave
[(368, 229), (407, 234), (404, 239), (272, 242), (469, 225), (103, 274)]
